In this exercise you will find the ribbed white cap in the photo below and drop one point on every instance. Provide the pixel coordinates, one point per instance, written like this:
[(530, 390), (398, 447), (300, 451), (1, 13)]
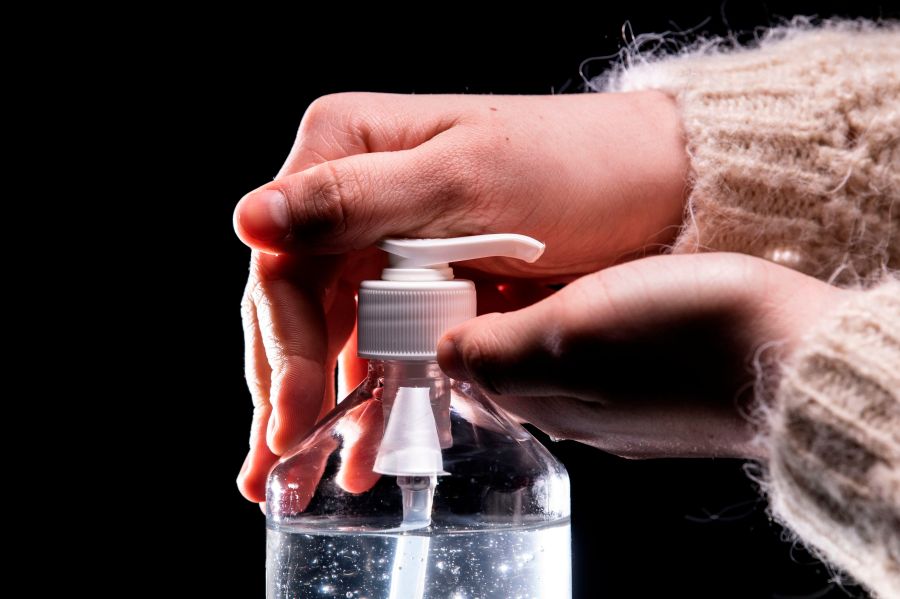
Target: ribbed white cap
[(402, 316), (403, 320)]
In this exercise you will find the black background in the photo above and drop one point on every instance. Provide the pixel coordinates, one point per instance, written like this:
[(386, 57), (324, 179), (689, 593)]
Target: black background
[(237, 91)]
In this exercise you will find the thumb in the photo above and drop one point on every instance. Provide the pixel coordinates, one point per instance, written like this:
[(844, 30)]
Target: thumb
[(600, 336), (354, 201)]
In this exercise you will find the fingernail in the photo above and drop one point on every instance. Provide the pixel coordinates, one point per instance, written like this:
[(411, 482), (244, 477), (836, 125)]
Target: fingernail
[(451, 361), (272, 430), (264, 215)]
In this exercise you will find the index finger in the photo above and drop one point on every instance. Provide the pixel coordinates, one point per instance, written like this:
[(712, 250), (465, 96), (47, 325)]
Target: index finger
[(296, 337)]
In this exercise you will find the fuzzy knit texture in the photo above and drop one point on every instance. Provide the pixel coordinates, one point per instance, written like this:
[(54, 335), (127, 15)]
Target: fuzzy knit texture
[(795, 153), (835, 440)]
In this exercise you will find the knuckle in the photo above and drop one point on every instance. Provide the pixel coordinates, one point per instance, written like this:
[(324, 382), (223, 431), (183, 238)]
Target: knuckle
[(321, 110), (248, 309), (249, 300), (254, 294), (333, 110), (327, 202), (324, 120)]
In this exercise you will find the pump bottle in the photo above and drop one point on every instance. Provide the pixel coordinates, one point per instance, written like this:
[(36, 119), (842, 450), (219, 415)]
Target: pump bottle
[(417, 486)]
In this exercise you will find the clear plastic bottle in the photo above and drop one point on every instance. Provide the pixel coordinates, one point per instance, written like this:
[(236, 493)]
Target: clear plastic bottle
[(416, 486)]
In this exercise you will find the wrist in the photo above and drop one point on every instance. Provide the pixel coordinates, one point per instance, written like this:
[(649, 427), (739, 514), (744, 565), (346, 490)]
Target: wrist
[(650, 131), (667, 167)]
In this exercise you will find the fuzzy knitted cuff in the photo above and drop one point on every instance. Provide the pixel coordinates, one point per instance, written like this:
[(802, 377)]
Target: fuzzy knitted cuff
[(794, 145), (834, 439)]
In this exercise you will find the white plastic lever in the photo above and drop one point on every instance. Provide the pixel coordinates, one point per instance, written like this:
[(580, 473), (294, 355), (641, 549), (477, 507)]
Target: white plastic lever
[(422, 253)]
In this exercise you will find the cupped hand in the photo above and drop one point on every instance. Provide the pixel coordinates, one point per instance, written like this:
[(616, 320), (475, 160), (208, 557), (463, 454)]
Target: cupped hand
[(599, 178), (653, 358)]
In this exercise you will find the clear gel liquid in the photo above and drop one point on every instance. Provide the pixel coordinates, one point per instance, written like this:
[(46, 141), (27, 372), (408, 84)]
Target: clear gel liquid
[(508, 563)]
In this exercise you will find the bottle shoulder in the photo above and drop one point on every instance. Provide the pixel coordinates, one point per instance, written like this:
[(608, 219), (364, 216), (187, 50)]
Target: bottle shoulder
[(495, 473)]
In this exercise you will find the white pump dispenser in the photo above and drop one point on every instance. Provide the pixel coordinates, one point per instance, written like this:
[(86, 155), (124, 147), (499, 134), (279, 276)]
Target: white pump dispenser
[(401, 318)]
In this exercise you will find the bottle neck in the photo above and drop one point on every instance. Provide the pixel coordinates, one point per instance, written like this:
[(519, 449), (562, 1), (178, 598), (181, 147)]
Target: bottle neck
[(416, 403), (418, 374)]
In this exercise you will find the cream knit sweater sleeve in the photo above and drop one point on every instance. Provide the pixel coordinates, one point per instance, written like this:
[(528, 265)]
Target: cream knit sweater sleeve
[(834, 440), (793, 144), (795, 153)]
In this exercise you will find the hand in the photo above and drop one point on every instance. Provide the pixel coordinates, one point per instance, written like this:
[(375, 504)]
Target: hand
[(647, 359), (599, 178)]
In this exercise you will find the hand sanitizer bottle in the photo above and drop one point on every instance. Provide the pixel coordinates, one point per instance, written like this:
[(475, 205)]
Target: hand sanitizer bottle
[(417, 486)]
